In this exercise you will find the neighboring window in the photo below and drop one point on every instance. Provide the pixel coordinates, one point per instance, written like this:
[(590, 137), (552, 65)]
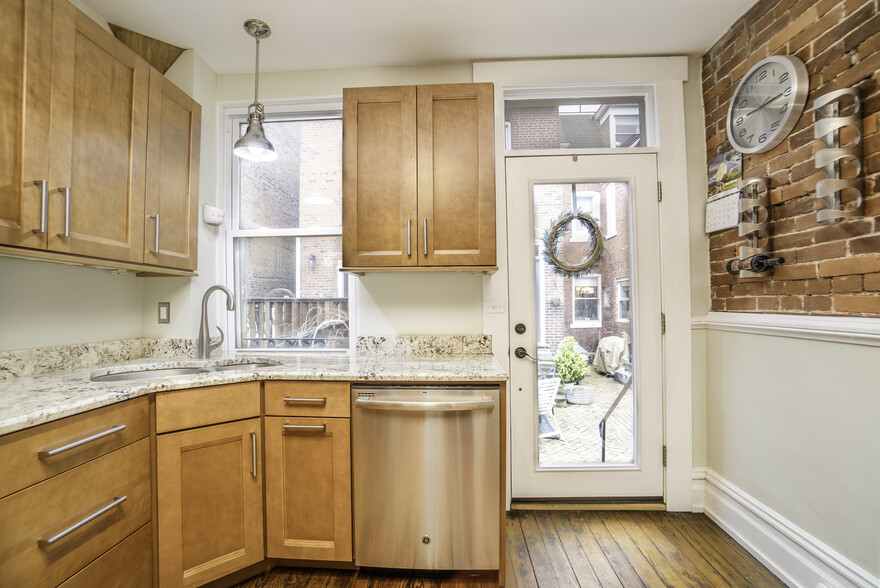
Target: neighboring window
[(624, 312), (598, 116), (610, 224), (606, 296), (286, 239), (586, 302), (585, 201)]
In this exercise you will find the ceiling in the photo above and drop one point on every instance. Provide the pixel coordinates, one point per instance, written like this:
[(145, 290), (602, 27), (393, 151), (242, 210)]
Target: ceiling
[(326, 34)]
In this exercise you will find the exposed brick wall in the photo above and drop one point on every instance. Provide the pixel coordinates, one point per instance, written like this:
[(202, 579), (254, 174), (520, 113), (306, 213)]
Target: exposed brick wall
[(534, 128), (829, 269)]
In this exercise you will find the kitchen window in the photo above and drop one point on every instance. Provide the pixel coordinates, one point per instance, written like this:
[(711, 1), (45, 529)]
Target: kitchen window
[(285, 240), (586, 302)]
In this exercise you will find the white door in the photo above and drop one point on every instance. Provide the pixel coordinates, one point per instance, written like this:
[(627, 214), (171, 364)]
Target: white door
[(608, 318)]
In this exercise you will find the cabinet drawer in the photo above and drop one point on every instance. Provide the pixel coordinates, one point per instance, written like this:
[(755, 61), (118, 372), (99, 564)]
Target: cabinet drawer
[(187, 409), (26, 452), (324, 399), (33, 551), (128, 565)]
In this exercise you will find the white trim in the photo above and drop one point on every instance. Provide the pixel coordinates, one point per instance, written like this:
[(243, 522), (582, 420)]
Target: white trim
[(791, 553), (852, 330), (699, 488)]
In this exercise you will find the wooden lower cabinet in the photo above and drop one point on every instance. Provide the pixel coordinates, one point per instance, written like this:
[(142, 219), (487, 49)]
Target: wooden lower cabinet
[(128, 565), (210, 506), (308, 488)]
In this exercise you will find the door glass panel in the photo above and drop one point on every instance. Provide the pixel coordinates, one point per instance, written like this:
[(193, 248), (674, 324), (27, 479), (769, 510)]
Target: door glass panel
[(585, 355)]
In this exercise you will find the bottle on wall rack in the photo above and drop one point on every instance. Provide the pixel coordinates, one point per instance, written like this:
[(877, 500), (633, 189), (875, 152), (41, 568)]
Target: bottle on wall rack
[(755, 263)]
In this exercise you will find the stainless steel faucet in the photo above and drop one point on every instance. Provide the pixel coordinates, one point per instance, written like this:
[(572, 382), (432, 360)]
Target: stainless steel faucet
[(205, 345)]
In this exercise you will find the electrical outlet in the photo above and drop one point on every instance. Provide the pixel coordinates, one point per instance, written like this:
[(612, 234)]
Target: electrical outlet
[(164, 313), (493, 307)]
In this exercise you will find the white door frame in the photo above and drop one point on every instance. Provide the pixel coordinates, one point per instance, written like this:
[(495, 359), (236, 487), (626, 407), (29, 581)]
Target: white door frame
[(668, 75)]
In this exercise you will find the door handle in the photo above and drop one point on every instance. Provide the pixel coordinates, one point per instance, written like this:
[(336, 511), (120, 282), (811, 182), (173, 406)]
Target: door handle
[(521, 353)]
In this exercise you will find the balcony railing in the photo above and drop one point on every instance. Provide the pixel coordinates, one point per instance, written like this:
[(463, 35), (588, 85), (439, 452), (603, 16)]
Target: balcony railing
[(295, 323)]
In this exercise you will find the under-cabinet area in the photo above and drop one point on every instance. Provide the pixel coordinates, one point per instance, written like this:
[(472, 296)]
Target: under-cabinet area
[(185, 487), (105, 169)]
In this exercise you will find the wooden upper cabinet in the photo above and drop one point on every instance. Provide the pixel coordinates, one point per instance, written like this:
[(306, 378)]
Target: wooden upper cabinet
[(25, 60), (418, 177), (379, 208), (98, 141), (172, 201)]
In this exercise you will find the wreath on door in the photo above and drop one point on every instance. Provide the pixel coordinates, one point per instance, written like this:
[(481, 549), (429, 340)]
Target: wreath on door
[(554, 234)]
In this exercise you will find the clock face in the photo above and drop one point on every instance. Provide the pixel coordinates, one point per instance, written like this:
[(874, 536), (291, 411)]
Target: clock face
[(767, 104)]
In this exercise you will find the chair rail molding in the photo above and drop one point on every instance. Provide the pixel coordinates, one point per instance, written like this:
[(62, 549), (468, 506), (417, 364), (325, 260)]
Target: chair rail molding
[(795, 556), (852, 330)]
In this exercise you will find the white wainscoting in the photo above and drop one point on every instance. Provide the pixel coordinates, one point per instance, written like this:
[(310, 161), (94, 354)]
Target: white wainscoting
[(791, 553), (846, 329)]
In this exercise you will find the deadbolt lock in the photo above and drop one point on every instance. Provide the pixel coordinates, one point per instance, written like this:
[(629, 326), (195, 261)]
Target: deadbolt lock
[(426, 539), (519, 328)]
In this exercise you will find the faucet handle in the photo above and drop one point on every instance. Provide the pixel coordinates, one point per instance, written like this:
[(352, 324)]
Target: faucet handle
[(212, 346)]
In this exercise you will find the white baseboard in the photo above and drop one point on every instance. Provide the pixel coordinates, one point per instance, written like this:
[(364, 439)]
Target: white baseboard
[(795, 556)]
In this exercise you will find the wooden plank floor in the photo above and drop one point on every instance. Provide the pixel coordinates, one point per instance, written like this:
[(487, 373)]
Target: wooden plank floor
[(579, 548)]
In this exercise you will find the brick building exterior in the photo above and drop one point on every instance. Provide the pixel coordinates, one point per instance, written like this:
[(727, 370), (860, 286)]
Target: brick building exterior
[(829, 269)]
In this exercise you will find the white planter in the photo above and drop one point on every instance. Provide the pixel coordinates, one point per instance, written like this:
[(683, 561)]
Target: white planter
[(579, 394)]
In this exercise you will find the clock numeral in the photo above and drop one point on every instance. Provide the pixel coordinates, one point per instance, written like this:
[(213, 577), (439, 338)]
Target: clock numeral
[(787, 92), (744, 102), (783, 109), (740, 121), (762, 138), (742, 133), (774, 126), (762, 75), (783, 78), (751, 137)]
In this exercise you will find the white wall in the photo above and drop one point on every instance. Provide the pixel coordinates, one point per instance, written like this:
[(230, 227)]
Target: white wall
[(45, 304), (793, 423)]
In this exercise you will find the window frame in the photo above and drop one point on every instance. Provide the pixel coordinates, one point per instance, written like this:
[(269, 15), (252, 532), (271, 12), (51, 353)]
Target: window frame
[(580, 233), (619, 298), (234, 114), (588, 324)]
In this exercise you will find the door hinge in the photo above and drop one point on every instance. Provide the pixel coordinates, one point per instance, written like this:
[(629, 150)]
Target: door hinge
[(662, 323), (664, 456), (659, 191)]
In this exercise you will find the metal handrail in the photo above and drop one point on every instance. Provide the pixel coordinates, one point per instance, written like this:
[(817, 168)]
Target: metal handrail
[(610, 410)]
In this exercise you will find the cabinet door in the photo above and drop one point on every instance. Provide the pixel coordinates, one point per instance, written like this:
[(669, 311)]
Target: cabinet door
[(25, 55), (308, 488), (456, 175), (99, 140), (210, 507), (379, 215), (172, 201)]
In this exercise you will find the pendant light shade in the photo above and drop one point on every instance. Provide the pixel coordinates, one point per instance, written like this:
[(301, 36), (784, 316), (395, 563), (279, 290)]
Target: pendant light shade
[(254, 145)]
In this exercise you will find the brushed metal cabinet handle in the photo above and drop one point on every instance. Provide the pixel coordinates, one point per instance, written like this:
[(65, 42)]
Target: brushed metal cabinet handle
[(117, 500), (408, 237), (425, 235), (444, 406), (53, 452), (254, 451), (44, 206), (156, 246), (306, 428), (66, 192), (306, 400)]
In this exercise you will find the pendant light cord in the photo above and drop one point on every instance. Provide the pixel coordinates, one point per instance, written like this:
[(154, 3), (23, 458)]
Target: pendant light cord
[(257, 75)]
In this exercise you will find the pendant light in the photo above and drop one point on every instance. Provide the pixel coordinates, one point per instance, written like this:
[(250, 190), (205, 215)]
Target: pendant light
[(254, 145)]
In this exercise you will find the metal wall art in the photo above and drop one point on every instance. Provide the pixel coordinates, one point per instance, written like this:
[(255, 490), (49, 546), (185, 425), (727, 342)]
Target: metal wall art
[(753, 260), (841, 192), (554, 234)]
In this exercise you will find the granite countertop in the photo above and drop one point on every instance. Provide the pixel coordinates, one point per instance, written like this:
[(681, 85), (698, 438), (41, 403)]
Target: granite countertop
[(30, 401)]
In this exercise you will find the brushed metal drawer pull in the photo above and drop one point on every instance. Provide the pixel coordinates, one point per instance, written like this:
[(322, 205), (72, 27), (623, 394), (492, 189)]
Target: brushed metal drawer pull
[(66, 192), (117, 500), (408, 237), (425, 235), (81, 442), (156, 247), (44, 206), (306, 428), (306, 400), (254, 448)]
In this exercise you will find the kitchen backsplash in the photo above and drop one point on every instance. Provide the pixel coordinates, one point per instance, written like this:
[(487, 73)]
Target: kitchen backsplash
[(43, 360), (425, 345)]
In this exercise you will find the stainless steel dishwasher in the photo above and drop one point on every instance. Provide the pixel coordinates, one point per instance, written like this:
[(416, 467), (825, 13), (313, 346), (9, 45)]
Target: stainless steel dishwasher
[(426, 463)]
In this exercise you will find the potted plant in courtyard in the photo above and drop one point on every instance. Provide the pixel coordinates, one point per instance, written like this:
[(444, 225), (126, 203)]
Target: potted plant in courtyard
[(572, 367)]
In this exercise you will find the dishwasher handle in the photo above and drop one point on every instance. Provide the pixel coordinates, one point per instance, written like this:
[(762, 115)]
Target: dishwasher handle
[(422, 406)]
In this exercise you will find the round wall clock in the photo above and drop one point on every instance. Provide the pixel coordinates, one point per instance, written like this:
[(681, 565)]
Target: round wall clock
[(767, 103)]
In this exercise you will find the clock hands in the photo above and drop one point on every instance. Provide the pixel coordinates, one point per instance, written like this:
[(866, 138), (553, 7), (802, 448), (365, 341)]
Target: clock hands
[(766, 102)]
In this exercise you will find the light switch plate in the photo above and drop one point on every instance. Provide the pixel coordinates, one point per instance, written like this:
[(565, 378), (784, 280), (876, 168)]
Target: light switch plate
[(164, 313), (493, 307)]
